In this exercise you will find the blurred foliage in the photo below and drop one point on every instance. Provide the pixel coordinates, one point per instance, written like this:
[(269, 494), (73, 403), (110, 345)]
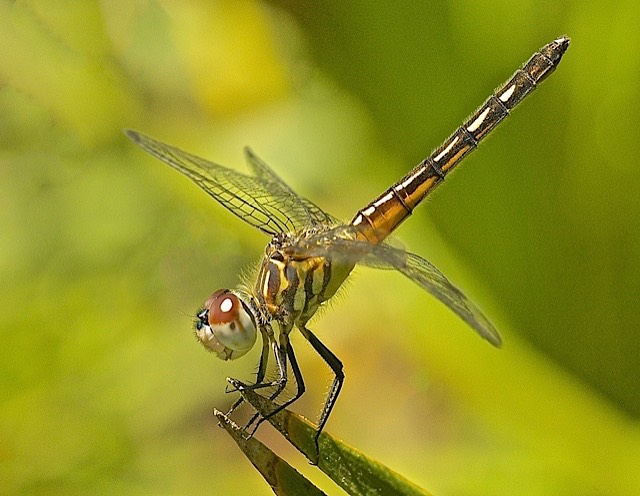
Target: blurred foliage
[(106, 253), (347, 467)]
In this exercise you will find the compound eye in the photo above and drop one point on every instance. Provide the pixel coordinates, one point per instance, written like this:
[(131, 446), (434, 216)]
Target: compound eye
[(223, 307), (226, 326)]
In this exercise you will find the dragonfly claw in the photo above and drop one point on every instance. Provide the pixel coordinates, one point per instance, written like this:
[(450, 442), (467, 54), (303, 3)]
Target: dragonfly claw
[(235, 385)]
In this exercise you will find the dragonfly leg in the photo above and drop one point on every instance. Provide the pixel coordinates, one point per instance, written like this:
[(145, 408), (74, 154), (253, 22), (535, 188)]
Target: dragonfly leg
[(264, 358), (280, 353), (281, 360), (262, 369), (336, 366), (299, 383)]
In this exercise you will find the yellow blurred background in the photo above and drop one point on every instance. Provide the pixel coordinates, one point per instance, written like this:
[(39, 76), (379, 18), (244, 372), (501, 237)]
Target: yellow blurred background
[(106, 253)]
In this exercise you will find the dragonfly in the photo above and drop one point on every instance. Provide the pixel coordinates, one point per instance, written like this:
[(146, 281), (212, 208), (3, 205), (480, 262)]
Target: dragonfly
[(311, 253)]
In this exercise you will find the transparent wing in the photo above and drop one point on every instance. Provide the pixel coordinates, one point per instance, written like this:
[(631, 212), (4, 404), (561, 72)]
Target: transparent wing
[(341, 243), (427, 275), (263, 201), (285, 194)]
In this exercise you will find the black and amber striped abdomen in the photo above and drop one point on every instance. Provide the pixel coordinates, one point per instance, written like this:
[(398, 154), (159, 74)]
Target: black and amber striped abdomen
[(383, 215)]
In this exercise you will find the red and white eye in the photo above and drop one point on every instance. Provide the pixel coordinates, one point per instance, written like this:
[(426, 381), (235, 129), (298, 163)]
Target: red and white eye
[(226, 325)]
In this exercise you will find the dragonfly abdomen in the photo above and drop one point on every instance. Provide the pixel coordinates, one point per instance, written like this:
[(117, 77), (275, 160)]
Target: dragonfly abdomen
[(383, 215)]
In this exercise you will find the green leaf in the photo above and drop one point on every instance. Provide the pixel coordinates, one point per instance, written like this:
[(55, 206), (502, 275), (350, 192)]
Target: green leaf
[(282, 477), (351, 469)]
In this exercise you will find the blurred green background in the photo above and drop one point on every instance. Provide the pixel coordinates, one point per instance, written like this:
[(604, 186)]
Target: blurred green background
[(106, 253)]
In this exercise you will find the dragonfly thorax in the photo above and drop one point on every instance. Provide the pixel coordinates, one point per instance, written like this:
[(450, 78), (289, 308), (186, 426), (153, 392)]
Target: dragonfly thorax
[(226, 325), (293, 282)]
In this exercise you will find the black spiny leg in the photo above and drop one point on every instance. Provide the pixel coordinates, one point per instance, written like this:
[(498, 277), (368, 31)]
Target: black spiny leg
[(336, 366), (262, 368), (299, 383), (280, 383), (264, 359), (280, 352), (285, 351)]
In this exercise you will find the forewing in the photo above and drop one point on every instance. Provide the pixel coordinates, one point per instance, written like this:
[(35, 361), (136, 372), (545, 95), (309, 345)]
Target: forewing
[(341, 243), (294, 202), (259, 201)]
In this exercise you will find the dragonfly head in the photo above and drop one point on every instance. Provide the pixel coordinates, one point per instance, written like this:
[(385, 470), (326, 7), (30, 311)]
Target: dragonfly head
[(226, 325)]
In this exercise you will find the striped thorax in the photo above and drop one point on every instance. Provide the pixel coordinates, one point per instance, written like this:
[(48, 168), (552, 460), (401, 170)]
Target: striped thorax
[(292, 286)]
